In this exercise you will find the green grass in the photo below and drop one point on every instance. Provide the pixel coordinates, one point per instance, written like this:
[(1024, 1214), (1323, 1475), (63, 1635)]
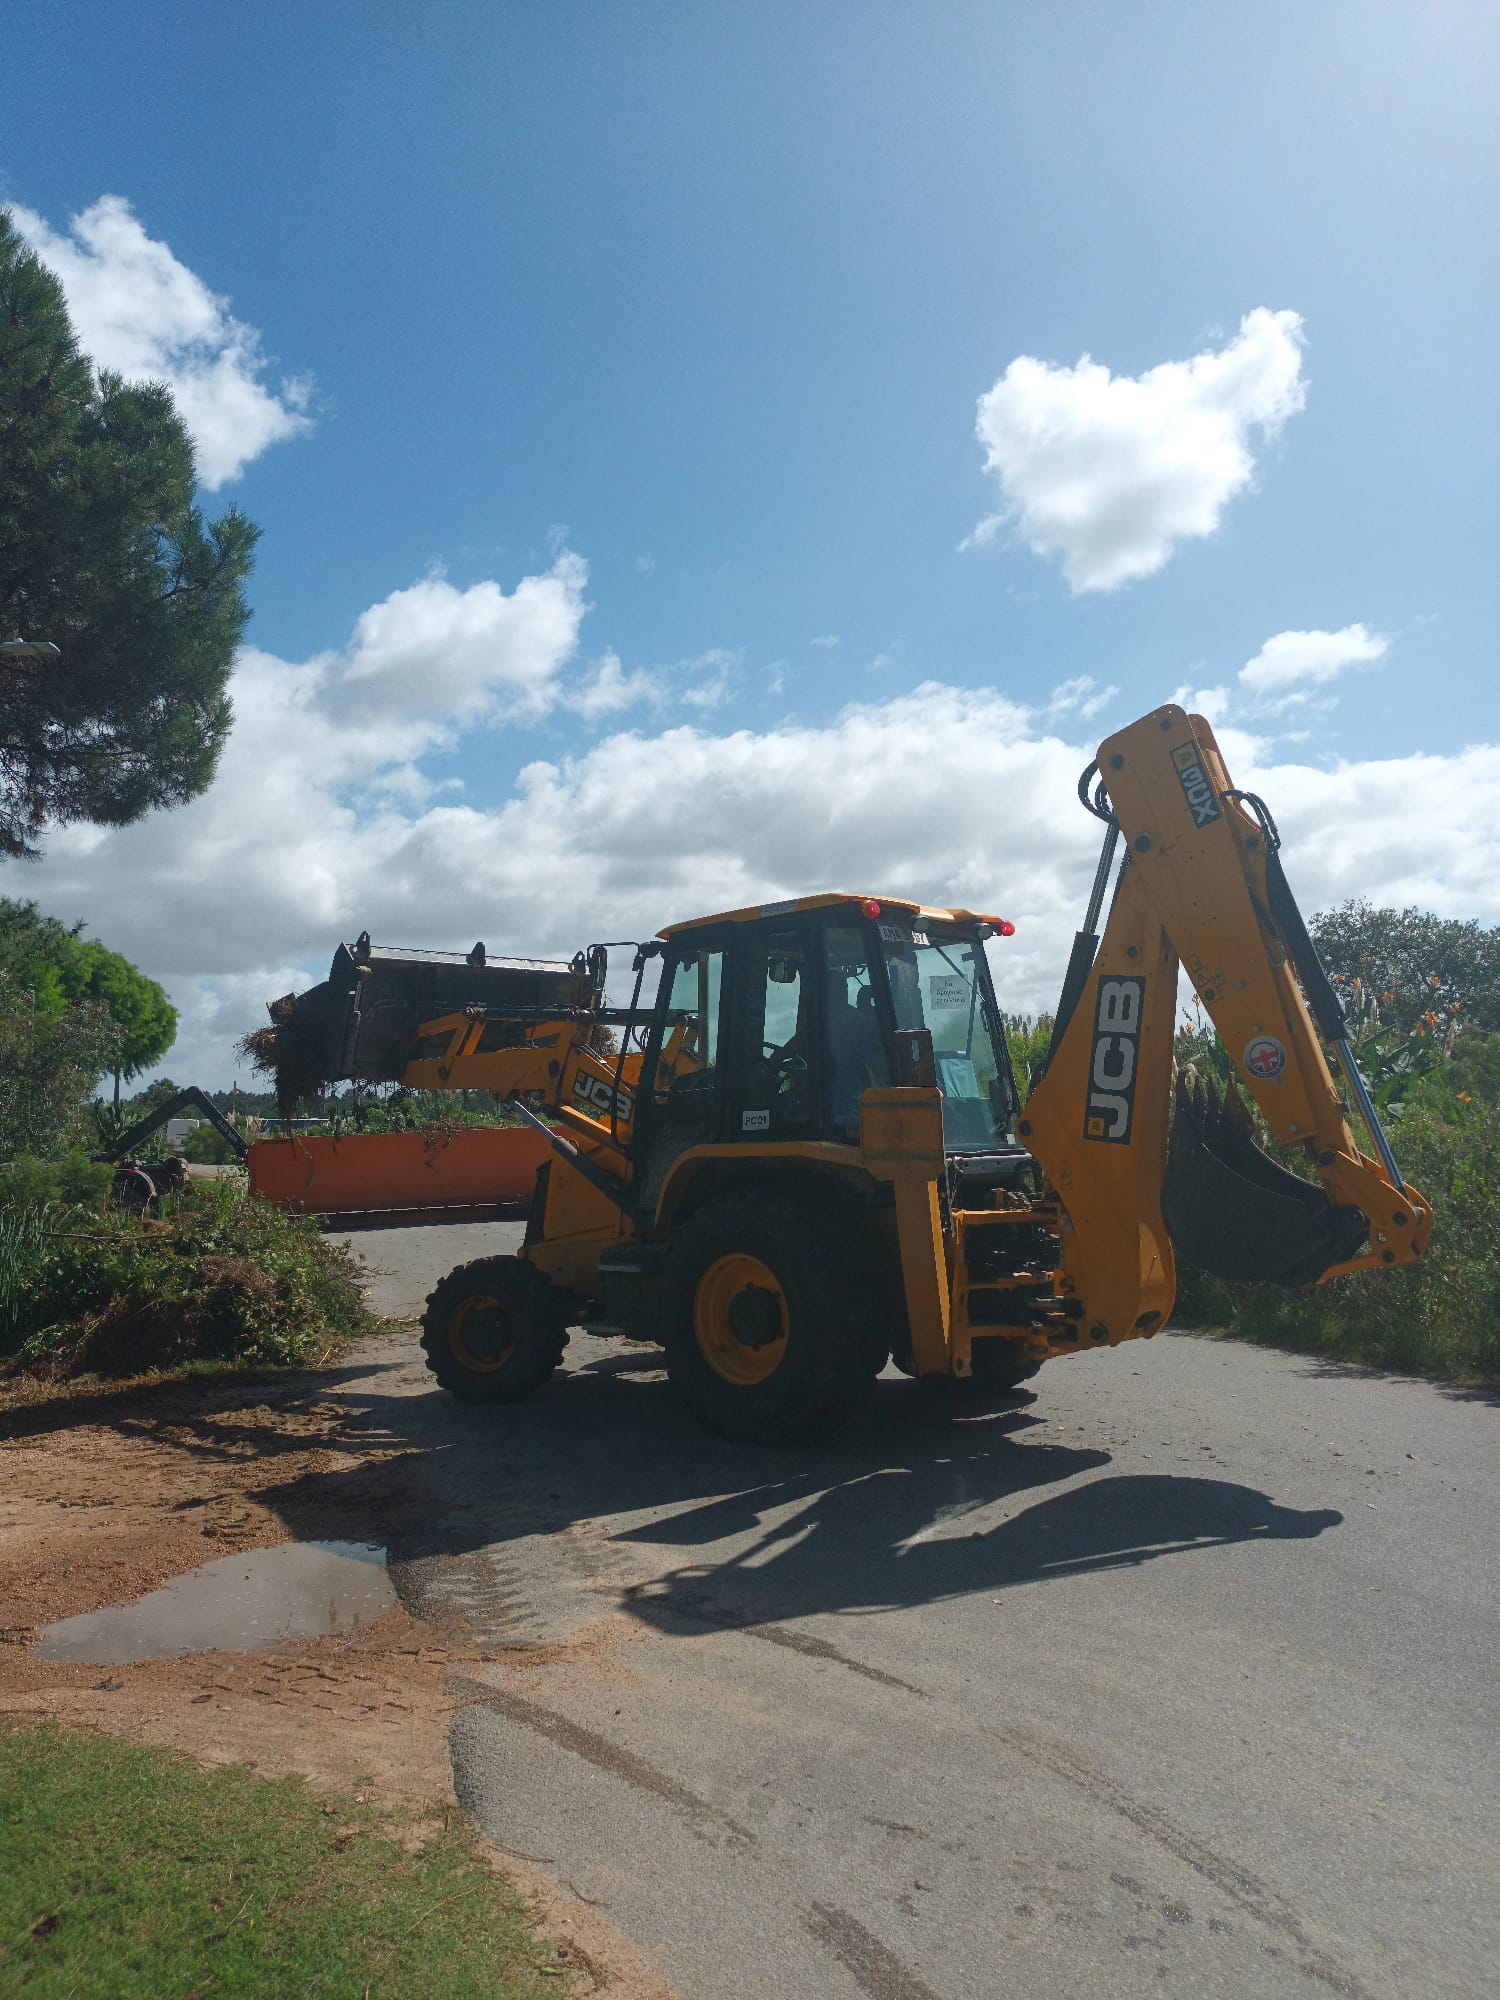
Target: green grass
[(131, 1874)]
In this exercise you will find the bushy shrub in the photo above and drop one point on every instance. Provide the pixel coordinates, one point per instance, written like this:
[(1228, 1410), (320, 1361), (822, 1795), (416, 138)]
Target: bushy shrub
[(206, 1146), (28, 1183), (1028, 1037), (82, 1182), (219, 1276), (76, 1181)]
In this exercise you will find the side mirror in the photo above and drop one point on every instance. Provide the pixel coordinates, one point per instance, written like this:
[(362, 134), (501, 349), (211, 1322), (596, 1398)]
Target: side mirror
[(914, 1066)]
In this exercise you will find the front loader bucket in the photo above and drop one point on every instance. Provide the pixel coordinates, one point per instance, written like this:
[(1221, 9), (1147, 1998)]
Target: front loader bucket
[(1232, 1210), (363, 1022)]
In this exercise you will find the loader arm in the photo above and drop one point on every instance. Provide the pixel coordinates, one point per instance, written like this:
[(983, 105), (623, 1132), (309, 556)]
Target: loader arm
[(450, 1021), (588, 1095), (580, 1085), (1201, 885)]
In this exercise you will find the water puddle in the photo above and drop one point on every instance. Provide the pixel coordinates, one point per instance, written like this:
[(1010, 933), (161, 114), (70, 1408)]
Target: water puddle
[(238, 1604)]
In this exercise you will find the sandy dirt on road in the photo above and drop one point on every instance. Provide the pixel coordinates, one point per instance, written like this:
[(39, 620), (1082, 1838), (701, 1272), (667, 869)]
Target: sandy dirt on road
[(105, 1497)]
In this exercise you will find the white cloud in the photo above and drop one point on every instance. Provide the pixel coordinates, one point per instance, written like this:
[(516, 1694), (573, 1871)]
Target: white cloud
[(708, 680), (704, 682), (1291, 664), (707, 694), (1285, 674), (610, 689), (825, 641), (1214, 704), (1109, 472), (1082, 696), (318, 826), (140, 312), (1420, 829), (465, 654)]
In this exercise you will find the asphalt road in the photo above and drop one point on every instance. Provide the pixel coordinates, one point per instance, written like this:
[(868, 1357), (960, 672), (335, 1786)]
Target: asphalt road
[(1179, 1678)]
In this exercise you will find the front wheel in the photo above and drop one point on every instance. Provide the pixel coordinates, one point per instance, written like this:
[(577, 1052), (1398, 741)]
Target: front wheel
[(493, 1330), (766, 1339), (999, 1367), (997, 1370)]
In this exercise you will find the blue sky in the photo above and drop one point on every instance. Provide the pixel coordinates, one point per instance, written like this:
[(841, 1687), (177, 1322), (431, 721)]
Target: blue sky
[(686, 315)]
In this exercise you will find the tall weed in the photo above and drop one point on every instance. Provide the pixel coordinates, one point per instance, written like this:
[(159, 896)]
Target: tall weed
[(24, 1242)]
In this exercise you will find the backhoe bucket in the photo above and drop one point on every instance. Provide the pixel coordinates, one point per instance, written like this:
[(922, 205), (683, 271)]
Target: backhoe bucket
[(1232, 1210)]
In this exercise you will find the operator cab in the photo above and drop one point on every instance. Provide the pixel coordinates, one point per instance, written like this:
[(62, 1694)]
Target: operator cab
[(771, 1022)]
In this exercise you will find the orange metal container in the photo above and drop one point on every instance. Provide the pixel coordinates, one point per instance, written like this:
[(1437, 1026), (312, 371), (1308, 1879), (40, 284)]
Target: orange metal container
[(393, 1177)]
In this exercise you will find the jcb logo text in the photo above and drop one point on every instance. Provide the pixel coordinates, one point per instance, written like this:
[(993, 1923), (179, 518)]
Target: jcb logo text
[(1114, 1060), (595, 1095)]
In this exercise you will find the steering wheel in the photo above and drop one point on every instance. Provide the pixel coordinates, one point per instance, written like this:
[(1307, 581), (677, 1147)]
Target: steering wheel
[(778, 1060)]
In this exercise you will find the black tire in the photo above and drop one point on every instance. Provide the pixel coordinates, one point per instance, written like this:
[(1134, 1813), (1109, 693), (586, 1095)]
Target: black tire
[(828, 1355), (494, 1330), (999, 1368), (133, 1189)]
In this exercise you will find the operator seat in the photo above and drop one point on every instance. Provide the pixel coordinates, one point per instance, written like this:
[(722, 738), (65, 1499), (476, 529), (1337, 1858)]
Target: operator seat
[(857, 1055)]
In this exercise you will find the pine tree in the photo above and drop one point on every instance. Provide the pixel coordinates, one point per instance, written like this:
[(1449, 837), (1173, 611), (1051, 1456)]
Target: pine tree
[(104, 556)]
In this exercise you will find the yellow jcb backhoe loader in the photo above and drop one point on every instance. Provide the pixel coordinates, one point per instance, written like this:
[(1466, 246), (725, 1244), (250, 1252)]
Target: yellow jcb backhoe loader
[(809, 1155)]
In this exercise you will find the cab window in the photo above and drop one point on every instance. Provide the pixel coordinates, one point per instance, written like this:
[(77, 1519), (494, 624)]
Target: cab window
[(936, 983), (774, 1071), (857, 1055), (690, 1026)]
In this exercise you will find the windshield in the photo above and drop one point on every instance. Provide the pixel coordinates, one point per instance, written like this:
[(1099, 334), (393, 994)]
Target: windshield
[(936, 984)]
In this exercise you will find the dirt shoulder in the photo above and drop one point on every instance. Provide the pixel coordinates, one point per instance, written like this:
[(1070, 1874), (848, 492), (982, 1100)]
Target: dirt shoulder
[(106, 1496)]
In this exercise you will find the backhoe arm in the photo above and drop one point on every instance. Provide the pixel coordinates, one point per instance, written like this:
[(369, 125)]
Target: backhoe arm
[(1202, 884)]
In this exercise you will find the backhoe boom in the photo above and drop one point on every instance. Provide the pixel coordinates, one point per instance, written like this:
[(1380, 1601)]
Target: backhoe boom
[(1201, 885)]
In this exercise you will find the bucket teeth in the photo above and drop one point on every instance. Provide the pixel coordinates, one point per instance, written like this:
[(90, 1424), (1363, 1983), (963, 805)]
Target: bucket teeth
[(1233, 1210)]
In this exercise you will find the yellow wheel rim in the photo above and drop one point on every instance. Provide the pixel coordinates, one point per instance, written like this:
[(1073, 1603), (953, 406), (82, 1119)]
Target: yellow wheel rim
[(480, 1334), (739, 1317)]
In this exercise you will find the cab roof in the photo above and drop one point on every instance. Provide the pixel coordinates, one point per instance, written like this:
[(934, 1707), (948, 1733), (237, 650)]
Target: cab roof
[(898, 906)]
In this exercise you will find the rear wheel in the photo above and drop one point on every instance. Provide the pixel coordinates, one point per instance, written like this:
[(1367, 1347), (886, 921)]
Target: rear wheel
[(765, 1338), (133, 1188), (493, 1331)]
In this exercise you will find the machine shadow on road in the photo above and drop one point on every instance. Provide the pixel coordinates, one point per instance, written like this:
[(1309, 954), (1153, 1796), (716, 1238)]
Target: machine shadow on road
[(835, 1555), (876, 1518)]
